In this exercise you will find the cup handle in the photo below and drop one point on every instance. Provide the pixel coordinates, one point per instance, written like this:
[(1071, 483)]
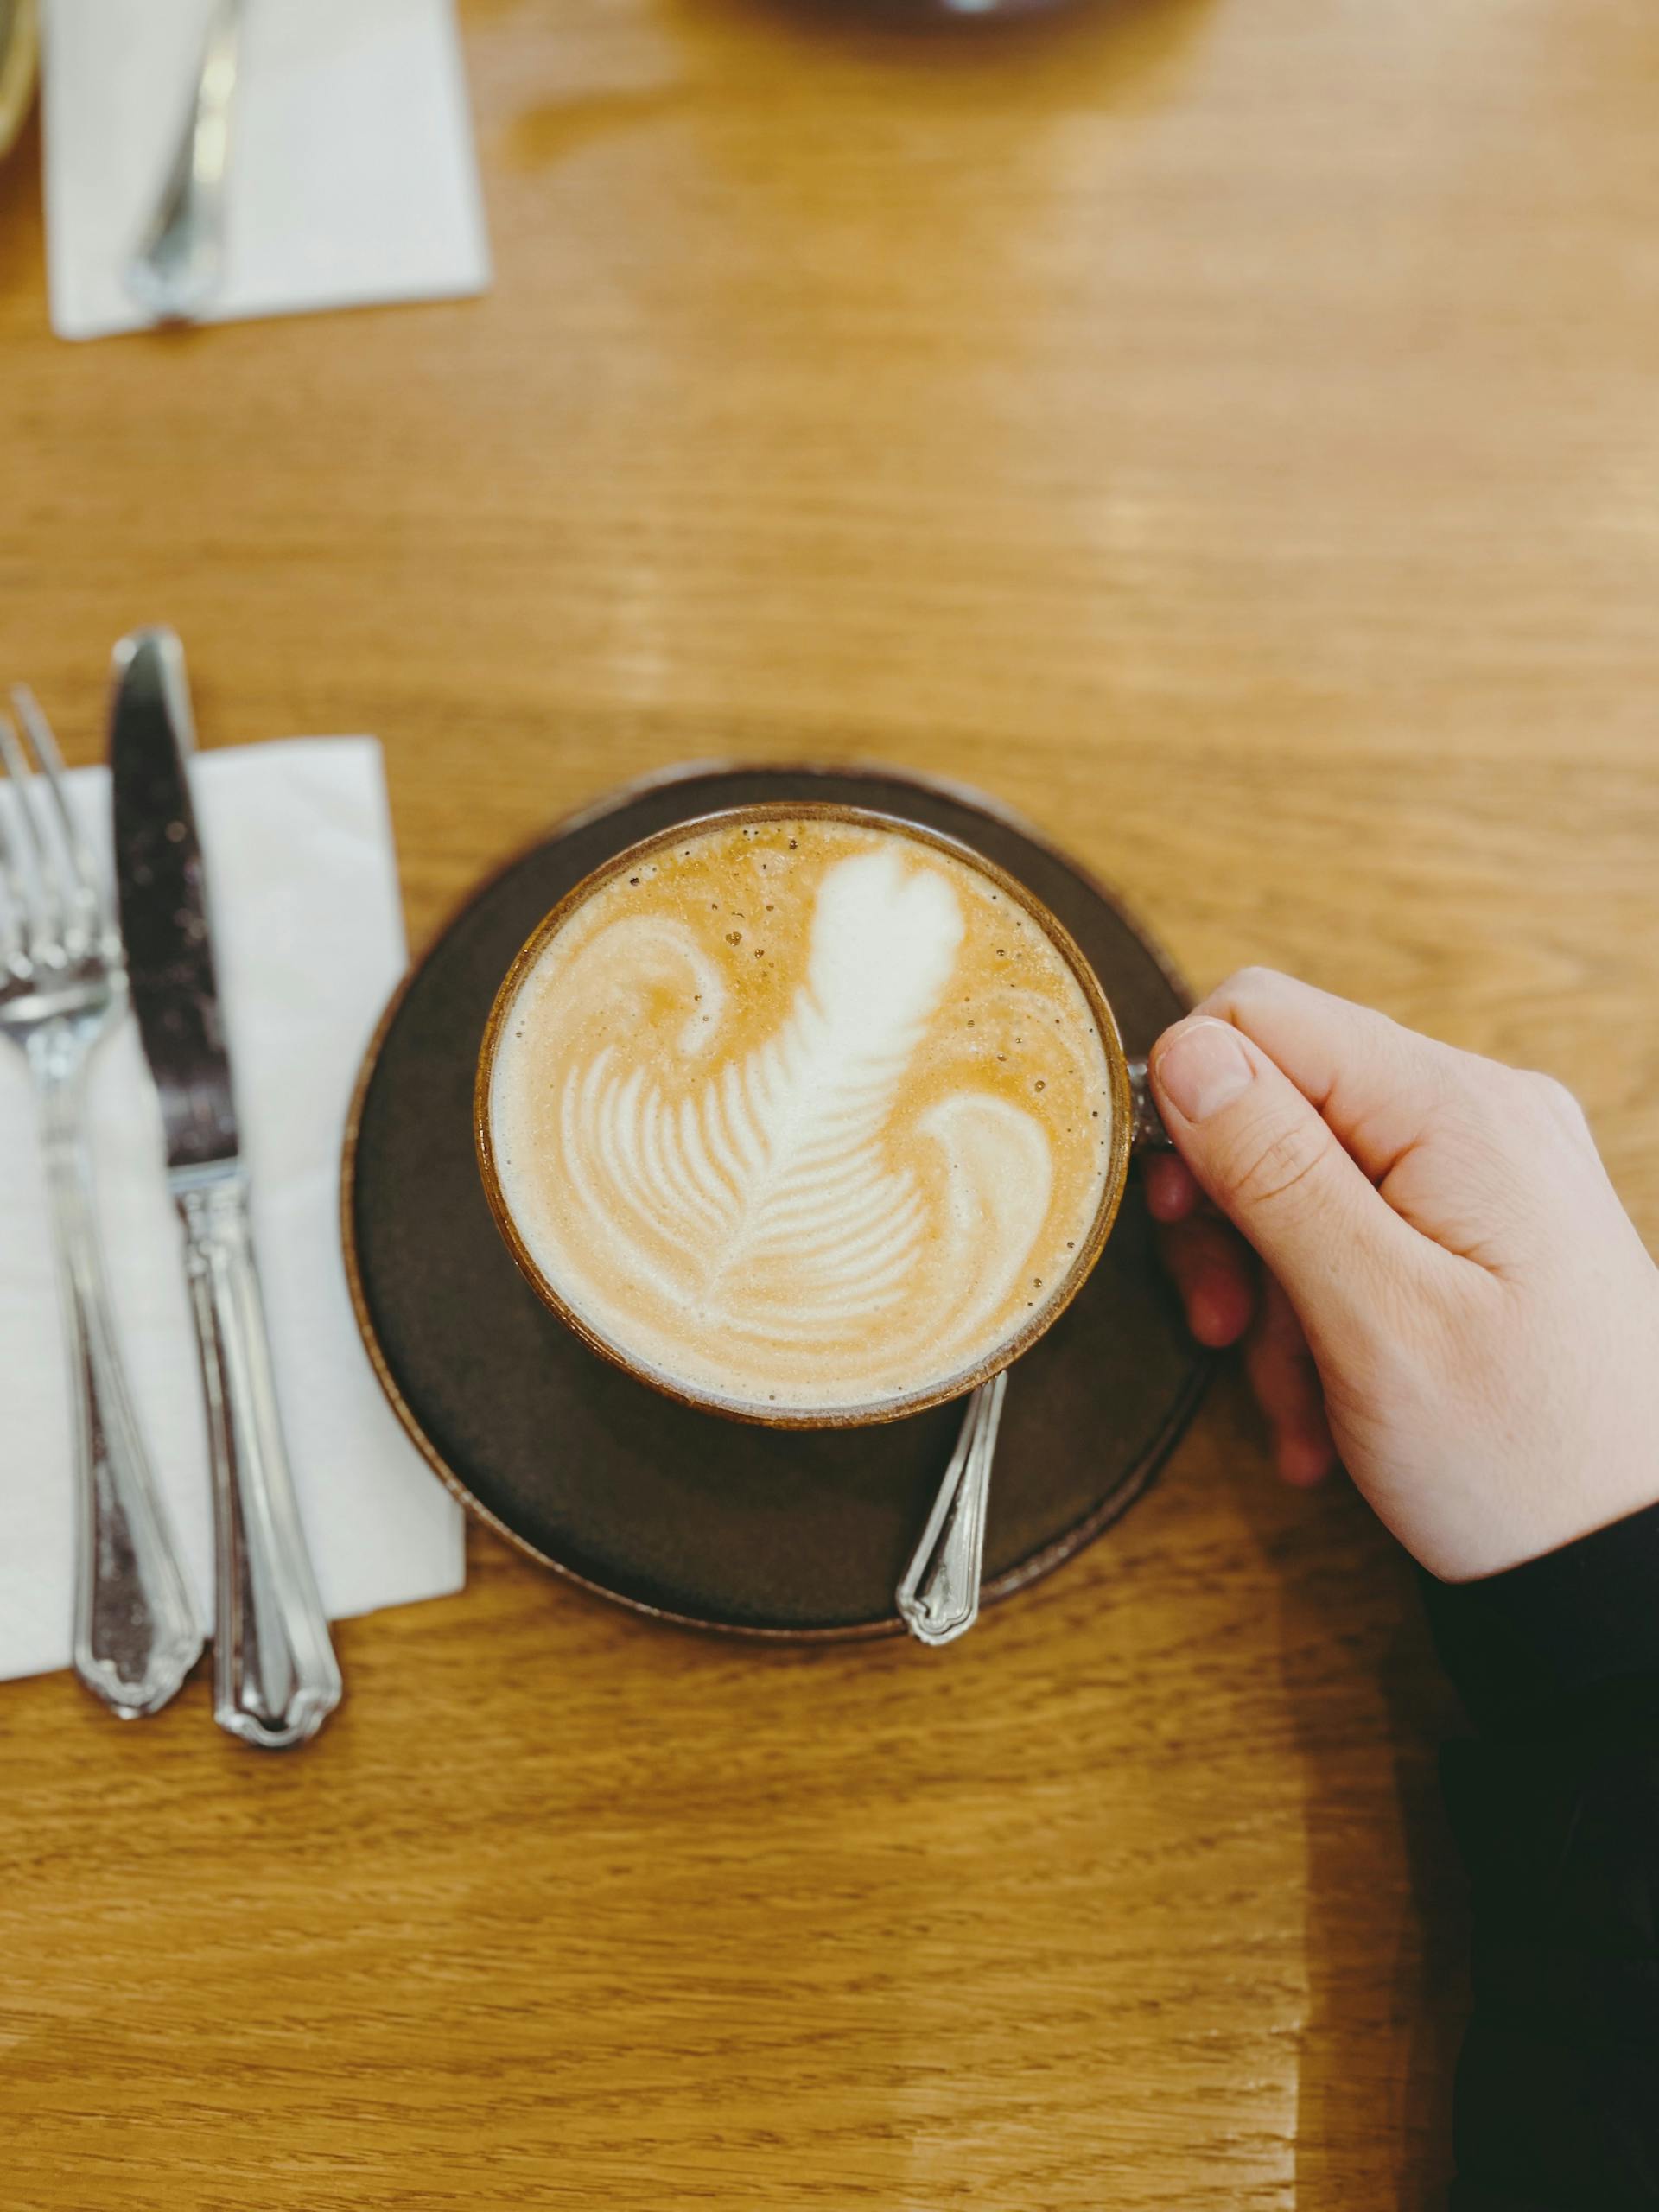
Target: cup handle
[(1147, 1130)]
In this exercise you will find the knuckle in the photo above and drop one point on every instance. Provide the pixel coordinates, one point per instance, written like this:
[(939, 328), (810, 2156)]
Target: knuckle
[(1527, 1105), (1557, 1100), (1493, 1106), (1257, 976), (1474, 1124), (1251, 986), (1274, 1165)]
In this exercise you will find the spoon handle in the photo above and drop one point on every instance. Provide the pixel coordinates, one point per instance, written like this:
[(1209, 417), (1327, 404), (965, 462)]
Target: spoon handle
[(938, 1598)]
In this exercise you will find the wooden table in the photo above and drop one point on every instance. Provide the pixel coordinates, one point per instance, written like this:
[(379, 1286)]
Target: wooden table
[(1225, 429)]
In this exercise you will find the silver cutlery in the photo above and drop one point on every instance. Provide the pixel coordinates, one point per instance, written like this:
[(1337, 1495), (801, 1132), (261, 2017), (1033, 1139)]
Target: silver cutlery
[(62, 988), (179, 262), (276, 1679), (938, 1598)]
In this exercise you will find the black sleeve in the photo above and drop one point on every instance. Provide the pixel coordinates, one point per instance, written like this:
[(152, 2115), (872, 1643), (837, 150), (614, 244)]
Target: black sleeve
[(1555, 1808)]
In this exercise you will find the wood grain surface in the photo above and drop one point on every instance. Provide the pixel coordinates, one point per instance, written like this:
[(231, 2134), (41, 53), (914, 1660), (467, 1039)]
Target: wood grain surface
[(1225, 429)]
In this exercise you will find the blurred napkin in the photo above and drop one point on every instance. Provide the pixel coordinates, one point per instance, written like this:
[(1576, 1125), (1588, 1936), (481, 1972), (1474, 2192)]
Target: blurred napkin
[(352, 176), (308, 935)]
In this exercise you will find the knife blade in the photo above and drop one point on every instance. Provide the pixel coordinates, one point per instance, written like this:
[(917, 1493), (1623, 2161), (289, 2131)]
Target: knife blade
[(162, 887), (276, 1679)]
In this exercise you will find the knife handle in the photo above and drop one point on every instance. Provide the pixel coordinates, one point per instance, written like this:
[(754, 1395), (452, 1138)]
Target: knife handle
[(136, 1633), (276, 1679)]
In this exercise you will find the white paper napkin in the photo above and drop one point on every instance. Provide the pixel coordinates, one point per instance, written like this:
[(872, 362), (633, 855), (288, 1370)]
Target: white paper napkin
[(351, 177), (308, 936)]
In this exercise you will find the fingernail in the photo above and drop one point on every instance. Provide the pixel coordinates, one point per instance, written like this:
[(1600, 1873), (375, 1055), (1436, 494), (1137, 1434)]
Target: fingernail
[(1203, 1068)]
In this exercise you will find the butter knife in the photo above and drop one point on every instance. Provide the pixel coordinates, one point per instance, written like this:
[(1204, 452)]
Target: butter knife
[(276, 1679)]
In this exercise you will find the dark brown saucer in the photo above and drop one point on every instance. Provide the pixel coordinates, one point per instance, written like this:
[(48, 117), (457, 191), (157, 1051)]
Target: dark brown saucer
[(710, 1523)]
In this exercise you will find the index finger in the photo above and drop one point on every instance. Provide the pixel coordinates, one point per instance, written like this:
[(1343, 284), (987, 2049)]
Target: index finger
[(1376, 1084)]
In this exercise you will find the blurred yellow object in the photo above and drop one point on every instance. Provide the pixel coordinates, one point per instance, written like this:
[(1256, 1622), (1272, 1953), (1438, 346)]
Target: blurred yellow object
[(19, 52)]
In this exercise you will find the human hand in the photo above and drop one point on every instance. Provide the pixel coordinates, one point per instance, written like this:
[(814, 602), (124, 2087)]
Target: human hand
[(1454, 1301)]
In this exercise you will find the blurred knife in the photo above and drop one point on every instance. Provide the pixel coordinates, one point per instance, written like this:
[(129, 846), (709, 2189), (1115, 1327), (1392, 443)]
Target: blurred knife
[(275, 1675)]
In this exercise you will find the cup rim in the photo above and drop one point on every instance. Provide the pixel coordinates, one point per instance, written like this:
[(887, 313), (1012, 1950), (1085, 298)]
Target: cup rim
[(1001, 1355)]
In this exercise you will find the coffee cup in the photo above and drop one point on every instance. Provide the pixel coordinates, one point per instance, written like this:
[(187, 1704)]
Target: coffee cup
[(804, 1114)]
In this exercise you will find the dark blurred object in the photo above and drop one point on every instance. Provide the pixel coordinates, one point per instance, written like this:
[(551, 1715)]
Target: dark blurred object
[(1002, 8), (916, 14)]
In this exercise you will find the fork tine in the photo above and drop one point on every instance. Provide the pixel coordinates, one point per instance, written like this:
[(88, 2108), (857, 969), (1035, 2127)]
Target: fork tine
[(11, 894), (90, 901), (31, 884)]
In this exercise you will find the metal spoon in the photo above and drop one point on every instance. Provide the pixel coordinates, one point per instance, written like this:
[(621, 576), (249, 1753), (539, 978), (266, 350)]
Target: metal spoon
[(179, 262), (938, 1598)]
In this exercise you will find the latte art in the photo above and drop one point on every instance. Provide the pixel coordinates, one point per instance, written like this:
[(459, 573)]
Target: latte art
[(801, 1114)]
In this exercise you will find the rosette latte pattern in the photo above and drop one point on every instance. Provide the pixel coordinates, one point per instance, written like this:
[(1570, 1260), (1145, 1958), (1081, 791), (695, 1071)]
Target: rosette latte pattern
[(801, 1114)]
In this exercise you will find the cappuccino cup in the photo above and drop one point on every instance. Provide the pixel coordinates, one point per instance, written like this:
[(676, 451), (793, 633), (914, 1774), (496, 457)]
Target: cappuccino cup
[(803, 1113)]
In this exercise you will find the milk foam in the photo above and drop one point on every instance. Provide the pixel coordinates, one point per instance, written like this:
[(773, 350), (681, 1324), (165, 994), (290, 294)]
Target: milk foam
[(751, 1120)]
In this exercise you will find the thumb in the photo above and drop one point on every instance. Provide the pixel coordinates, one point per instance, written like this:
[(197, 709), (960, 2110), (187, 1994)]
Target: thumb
[(1269, 1161)]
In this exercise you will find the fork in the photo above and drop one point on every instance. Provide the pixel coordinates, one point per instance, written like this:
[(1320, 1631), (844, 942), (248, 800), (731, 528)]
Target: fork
[(62, 988), (178, 263)]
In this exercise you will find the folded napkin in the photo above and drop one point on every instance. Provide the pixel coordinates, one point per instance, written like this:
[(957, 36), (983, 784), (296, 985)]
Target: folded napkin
[(351, 175), (309, 936)]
